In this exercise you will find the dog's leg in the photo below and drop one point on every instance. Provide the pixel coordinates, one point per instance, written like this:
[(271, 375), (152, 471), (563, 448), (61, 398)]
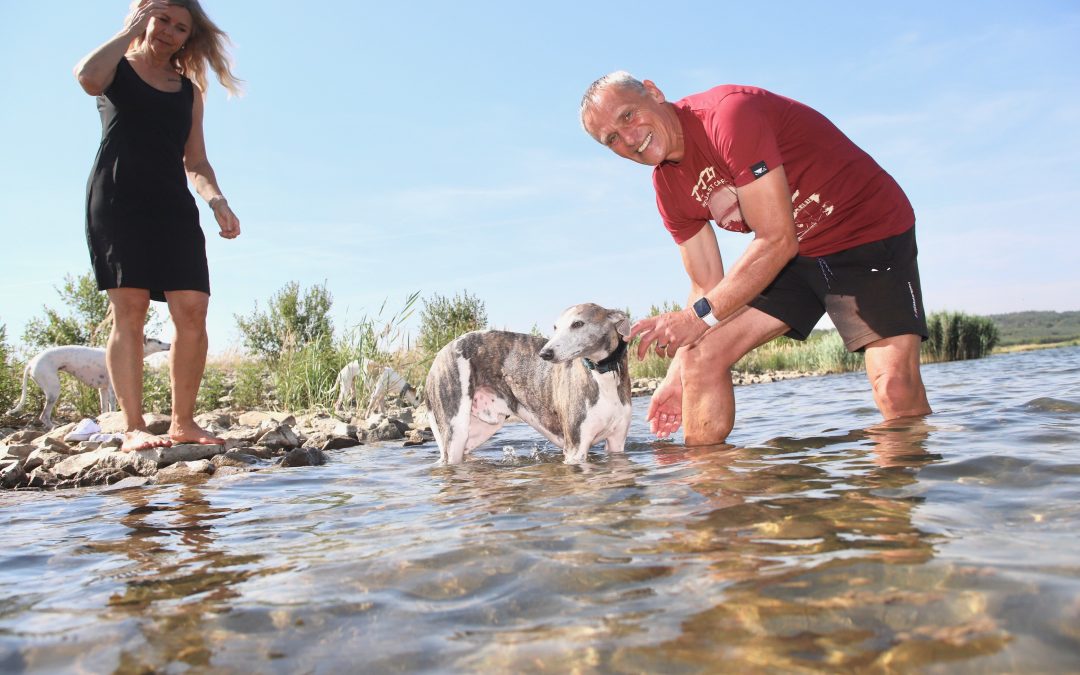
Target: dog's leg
[(49, 381), (377, 396), (103, 399), (616, 442)]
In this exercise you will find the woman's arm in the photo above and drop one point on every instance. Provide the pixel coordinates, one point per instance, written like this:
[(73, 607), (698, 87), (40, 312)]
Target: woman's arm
[(202, 176), (96, 70)]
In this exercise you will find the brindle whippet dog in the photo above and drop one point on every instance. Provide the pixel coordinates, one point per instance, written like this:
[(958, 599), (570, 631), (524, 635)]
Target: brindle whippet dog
[(574, 388)]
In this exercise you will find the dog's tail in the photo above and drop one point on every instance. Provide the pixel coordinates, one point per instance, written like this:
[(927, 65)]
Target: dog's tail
[(22, 399)]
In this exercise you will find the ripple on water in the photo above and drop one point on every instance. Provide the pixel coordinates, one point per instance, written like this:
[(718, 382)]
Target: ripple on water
[(816, 539)]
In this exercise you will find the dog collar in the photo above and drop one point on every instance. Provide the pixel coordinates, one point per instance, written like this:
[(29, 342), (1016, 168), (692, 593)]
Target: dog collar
[(610, 363)]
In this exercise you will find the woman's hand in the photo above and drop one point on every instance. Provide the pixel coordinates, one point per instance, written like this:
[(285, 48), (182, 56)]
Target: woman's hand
[(139, 17), (226, 219)]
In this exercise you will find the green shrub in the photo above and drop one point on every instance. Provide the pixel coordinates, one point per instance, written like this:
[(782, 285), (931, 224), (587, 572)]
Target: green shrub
[(157, 389), (443, 319), (85, 319), (213, 388), (290, 322), (252, 388), (11, 371)]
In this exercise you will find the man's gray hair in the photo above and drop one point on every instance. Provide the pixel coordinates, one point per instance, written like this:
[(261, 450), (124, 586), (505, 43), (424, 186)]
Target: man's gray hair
[(619, 78)]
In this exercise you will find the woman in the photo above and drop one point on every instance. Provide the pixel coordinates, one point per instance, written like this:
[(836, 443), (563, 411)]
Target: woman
[(142, 222)]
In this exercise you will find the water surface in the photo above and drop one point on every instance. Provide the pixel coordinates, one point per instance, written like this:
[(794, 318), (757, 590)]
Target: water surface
[(819, 541)]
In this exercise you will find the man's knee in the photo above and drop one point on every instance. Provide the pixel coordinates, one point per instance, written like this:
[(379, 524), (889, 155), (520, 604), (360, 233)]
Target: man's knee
[(900, 393)]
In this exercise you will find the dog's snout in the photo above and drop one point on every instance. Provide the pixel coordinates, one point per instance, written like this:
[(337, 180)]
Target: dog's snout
[(547, 354)]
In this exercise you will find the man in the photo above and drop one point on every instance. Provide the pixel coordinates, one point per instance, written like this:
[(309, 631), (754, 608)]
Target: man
[(832, 232)]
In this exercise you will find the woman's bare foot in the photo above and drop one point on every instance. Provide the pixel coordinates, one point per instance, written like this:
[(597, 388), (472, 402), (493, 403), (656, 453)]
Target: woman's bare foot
[(192, 433), (141, 439)]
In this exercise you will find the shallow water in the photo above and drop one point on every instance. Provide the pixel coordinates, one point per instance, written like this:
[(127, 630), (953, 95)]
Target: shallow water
[(819, 541)]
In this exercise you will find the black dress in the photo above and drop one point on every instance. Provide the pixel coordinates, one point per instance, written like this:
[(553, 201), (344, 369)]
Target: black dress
[(142, 223)]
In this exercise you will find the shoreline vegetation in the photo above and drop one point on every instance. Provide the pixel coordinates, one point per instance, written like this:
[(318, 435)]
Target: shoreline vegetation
[(292, 352), (274, 403)]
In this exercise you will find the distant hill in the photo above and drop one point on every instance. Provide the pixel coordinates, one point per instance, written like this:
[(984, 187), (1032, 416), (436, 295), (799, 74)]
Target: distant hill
[(1036, 327)]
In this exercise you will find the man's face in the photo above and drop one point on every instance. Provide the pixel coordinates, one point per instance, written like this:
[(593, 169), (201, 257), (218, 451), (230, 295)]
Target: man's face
[(639, 127)]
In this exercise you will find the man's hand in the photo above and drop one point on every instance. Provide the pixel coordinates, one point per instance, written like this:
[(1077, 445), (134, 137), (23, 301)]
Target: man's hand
[(665, 408), (669, 331)]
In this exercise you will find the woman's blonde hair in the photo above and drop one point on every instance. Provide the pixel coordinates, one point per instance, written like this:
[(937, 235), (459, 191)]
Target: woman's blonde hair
[(206, 44)]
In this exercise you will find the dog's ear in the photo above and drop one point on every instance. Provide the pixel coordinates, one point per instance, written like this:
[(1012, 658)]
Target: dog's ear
[(621, 321)]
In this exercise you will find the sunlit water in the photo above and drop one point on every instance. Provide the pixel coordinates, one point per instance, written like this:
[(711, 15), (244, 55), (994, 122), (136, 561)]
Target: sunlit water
[(817, 542)]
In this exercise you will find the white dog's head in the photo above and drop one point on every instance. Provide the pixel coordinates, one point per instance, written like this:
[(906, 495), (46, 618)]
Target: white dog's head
[(588, 331), (153, 346)]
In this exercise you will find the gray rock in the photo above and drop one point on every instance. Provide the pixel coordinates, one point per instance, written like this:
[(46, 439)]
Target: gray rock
[(234, 459), (256, 451), (343, 430), (20, 451), (187, 452), (40, 478), (112, 422), (254, 418), (157, 424), (279, 437), (389, 430), (54, 444), (217, 419), (242, 435), (58, 432), (24, 436), (45, 459), (127, 483), (303, 457), (12, 475), (416, 437), (182, 472), (339, 442), (140, 463)]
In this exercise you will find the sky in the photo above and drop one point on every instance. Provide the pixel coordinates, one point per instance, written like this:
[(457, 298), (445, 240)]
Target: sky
[(390, 148)]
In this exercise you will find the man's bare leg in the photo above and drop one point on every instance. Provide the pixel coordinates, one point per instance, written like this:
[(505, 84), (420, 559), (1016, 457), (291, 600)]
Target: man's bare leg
[(697, 391), (892, 366), (187, 360)]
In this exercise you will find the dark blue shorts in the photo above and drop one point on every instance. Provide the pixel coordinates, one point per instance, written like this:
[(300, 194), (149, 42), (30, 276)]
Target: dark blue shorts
[(870, 292)]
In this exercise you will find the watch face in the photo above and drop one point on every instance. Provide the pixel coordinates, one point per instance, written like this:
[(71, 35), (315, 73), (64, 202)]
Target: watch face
[(702, 307)]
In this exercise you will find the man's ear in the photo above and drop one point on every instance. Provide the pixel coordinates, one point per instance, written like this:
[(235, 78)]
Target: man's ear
[(653, 91)]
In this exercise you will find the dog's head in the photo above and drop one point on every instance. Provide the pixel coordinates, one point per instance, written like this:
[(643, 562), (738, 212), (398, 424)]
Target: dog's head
[(586, 331), (153, 346)]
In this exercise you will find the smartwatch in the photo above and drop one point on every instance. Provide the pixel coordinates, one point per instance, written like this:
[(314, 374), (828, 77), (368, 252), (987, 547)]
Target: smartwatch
[(704, 311)]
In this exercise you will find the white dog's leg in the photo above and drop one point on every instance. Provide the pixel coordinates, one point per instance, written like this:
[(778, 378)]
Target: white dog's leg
[(378, 397), (49, 381)]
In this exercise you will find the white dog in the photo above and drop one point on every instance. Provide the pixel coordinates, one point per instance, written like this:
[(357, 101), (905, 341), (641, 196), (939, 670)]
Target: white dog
[(383, 381), (86, 364)]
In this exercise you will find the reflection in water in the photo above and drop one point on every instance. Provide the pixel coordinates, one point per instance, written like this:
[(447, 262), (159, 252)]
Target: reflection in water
[(939, 545), (178, 576)]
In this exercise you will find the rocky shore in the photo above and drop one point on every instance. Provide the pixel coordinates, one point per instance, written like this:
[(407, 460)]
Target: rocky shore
[(36, 459)]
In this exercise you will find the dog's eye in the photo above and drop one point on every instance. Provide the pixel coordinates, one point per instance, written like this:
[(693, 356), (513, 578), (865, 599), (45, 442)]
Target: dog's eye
[(577, 324)]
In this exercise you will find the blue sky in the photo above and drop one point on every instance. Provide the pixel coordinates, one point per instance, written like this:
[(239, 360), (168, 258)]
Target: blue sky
[(435, 147)]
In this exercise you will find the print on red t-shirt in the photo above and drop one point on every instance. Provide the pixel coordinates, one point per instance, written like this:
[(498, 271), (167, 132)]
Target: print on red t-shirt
[(841, 198)]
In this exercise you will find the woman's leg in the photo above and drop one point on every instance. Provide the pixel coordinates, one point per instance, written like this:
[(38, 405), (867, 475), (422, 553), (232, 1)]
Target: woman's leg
[(187, 359), (124, 358)]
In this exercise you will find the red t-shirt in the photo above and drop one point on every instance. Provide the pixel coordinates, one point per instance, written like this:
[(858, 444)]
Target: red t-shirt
[(841, 198)]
